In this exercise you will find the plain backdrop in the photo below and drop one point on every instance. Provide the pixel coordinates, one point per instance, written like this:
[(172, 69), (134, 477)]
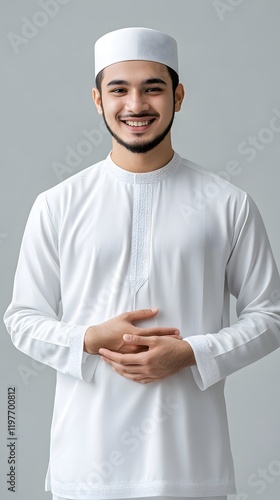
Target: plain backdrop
[(229, 64)]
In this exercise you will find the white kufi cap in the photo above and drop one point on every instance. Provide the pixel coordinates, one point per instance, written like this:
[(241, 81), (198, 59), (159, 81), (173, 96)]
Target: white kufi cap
[(135, 44)]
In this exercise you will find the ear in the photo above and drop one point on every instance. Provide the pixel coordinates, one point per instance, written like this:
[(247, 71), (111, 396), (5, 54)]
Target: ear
[(97, 100), (179, 96)]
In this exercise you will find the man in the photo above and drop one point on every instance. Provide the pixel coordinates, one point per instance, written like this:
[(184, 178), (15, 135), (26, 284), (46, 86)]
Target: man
[(123, 287)]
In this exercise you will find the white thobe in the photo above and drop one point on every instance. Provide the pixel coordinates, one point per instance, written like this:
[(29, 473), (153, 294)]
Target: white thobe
[(106, 241)]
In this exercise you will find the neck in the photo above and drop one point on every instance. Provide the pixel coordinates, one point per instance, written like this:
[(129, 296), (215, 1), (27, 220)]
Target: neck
[(145, 162)]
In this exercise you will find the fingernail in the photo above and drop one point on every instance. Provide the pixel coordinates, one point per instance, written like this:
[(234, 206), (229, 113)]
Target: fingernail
[(127, 337), (154, 310), (177, 332)]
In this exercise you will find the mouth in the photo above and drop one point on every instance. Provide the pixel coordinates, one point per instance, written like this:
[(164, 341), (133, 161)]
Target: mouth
[(139, 125)]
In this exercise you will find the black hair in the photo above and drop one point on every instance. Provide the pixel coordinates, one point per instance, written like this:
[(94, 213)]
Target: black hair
[(172, 73)]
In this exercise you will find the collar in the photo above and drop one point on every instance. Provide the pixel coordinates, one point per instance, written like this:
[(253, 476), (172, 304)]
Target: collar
[(143, 177)]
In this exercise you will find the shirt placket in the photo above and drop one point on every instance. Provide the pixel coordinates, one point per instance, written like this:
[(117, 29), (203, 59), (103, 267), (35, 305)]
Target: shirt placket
[(141, 235)]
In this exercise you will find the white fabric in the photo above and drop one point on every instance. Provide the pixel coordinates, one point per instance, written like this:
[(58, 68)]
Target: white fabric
[(135, 44), (108, 241)]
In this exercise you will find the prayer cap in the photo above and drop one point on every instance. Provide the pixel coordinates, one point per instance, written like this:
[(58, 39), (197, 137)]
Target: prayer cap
[(135, 44)]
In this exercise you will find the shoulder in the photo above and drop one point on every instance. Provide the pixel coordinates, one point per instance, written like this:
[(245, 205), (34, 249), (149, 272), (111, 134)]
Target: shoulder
[(69, 196), (210, 185), (211, 195), (86, 176)]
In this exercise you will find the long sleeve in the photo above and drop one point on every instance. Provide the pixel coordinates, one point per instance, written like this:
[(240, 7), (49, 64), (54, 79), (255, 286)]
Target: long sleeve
[(252, 277), (33, 317)]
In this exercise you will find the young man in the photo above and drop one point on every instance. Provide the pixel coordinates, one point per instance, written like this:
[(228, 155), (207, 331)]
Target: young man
[(123, 287)]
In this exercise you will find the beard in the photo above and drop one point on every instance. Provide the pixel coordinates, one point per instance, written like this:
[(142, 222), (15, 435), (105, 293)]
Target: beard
[(140, 147)]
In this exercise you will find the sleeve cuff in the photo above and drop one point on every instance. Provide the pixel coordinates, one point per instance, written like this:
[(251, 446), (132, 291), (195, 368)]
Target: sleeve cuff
[(81, 364), (206, 371)]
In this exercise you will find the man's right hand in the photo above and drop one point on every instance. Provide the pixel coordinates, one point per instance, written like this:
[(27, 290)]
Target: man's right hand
[(110, 334)]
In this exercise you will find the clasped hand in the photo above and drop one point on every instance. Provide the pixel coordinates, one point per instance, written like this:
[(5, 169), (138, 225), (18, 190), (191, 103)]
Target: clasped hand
[(140, 354)]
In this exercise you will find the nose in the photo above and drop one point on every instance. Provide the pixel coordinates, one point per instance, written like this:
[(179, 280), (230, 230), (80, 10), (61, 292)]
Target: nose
[(136, 102)]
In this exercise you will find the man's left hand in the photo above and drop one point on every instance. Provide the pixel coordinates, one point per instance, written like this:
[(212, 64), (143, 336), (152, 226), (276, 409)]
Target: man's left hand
[(164, 357)]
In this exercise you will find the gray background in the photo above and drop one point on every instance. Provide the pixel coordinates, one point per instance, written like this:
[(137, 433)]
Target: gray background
[(229, 63)]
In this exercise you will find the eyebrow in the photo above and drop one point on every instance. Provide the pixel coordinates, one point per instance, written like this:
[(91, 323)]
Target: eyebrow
[(150, 81)]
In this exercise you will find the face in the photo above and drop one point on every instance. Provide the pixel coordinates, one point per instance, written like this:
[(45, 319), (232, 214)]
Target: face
[(138, 104)]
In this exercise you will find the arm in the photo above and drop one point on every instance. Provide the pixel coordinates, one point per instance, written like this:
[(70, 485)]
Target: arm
[(252, 277), (33, 317)]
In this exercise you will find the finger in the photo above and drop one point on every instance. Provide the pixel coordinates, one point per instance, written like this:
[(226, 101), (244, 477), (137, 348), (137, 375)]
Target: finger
[(141, 314), (125, 370), (139, 340), (122, 359), (129, 348), (159, 331)]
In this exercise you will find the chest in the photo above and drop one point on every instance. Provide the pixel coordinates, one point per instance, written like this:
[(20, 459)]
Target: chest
[(136, 227)]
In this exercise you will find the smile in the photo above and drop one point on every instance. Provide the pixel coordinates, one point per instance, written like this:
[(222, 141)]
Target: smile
[(138, 124)]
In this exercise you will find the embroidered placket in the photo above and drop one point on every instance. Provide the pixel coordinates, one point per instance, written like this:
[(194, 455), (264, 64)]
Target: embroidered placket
[(141, 235)]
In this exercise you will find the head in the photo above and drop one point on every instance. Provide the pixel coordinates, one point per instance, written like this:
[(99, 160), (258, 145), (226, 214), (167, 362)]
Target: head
[(137, 87)]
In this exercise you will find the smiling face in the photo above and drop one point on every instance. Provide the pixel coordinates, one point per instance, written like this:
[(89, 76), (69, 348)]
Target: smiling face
[(138, 104)]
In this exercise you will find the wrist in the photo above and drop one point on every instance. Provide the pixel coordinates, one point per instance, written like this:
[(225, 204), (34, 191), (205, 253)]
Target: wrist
[(91, 344), (189, 354)]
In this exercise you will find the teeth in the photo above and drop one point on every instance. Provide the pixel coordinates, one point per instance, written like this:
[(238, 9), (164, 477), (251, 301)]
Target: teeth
[(137, 124)]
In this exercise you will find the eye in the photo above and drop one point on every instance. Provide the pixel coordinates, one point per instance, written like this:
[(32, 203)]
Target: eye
[(118, 91), (154, 89)]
